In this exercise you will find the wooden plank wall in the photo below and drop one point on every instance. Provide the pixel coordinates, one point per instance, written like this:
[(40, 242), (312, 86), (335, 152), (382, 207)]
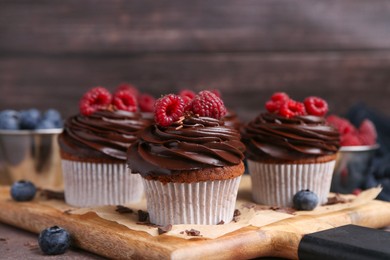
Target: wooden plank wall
[(51, 51)]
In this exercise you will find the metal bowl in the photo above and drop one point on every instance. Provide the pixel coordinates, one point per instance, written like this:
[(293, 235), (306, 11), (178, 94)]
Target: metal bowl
[(31, 155), (352, 167)]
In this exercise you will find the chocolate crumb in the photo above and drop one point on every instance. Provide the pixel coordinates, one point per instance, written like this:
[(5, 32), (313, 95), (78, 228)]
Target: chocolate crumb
[(337, 199), (123, 210), (3, 239), (287, 210), (221, 222), (182, 232), (162, 230), (143, 216), (193, 232), (52, 195), (67, 212), (236, 214)]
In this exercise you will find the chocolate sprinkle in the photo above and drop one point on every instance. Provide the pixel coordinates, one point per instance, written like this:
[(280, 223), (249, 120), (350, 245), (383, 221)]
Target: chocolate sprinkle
[(52, 195), (337, 199), (193, 232), (162, 230), (143, 216), (122, 209), (236, 214)]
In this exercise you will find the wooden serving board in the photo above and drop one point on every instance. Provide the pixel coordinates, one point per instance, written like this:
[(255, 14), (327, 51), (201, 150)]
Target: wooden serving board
[(113, 240)]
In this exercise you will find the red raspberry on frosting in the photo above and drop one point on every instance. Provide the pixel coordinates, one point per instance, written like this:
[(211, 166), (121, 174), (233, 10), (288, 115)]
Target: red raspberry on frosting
[(97, 98), (316, 106), (187, 96), (128, 87), (275, 103), (208, 104), (168, 109), (292, 108), (146, 102), (125, 100), (367, 132)]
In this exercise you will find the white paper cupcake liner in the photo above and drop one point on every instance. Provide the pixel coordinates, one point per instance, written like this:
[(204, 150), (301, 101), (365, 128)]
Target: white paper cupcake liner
[(96, 184), (203, 203), (276, 184)]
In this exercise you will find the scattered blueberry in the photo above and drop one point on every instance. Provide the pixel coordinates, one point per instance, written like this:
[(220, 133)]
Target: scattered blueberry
[(29, 119), (305, 200), (9, 120), (23, 190), (54, 240)]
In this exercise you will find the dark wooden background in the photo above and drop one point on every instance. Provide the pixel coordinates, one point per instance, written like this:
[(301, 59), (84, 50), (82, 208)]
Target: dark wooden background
[(52, 51)]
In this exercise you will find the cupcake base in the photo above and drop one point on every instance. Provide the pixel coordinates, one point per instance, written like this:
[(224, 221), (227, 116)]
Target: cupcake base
[(90, 184), (276, 184), (204, 203)]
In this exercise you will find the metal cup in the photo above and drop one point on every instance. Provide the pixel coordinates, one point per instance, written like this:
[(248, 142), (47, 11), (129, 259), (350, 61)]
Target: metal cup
[(31, 155), (351, 167)]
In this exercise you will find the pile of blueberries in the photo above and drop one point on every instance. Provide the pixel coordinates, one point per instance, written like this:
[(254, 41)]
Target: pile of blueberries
[(31, 119)]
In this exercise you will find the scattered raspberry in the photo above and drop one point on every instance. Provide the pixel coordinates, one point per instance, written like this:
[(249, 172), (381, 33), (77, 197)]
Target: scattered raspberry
[(316, 106), (208, 104), (187, 96), (95, 99), (292, 108), (128, 87), (125, 100), (146, 103), (342, 125), (275, 103), (367, 132), (356, 191), (168, 109), (350, 139)]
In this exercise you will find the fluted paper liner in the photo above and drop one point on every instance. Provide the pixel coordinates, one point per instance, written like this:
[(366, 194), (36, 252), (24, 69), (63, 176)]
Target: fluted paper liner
[(94, 184), (276, 184), (206, 203)]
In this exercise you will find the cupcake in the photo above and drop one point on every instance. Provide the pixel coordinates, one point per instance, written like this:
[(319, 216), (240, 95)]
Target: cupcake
[(93, 150), (190, 163), (290, 148)]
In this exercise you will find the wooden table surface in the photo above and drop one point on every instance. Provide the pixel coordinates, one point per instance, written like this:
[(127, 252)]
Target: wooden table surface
[(16, 243)]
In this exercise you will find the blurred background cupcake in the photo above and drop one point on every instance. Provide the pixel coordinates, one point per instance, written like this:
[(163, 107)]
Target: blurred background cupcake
[(93, 149), (290, 148)]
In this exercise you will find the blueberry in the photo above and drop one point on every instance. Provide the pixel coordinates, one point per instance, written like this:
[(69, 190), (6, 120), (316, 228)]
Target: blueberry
[(9, 120), (54, 240), (23, 190), (29, 119), (53, 116), (46, 124), (305, 200)]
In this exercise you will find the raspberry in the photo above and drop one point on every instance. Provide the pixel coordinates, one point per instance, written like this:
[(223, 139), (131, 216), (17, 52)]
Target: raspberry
[(342, 125), (168, 109), (276, 102), (316, 106), (216, 92), (128, 87), (367, 132), (280, 97), (208, 104), (350, 139), (292, 108), (146, 102), (97, 98), (125, 100), (187, 96)]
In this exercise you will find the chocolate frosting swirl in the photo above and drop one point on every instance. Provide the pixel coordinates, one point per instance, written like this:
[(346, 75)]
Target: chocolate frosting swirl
[(270, 136), (104, 134), (192, 144)]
